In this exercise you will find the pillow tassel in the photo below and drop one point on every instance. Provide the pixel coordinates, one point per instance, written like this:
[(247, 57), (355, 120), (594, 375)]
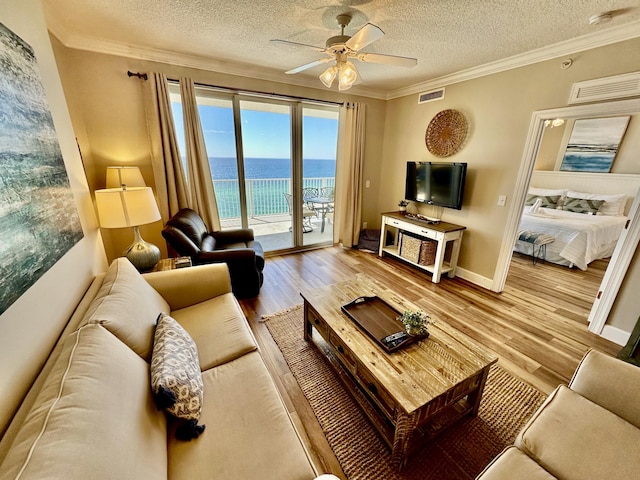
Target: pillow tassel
[(189, 430), (165, 398)]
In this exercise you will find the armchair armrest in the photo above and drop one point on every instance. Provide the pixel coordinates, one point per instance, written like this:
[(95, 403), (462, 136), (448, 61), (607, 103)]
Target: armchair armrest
[(180, 241), (187, 286), (231, 255), (611, 383), (232, 236)]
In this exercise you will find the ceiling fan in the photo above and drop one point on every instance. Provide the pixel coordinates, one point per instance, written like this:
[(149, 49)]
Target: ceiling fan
[(343, 48)]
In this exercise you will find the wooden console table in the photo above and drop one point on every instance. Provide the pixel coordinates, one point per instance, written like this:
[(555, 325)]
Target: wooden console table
[(441, 232)]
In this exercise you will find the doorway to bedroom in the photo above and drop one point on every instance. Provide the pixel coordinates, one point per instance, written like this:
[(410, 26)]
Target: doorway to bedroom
[(606, 265)]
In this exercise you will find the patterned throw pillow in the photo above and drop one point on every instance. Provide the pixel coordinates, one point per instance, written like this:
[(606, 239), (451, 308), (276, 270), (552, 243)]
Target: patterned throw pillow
[(176, 380), (548, 201), (582, 205)]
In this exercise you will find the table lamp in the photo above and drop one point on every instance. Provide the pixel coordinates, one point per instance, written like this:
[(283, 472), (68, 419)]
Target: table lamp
[(130, 207), (129, 176)]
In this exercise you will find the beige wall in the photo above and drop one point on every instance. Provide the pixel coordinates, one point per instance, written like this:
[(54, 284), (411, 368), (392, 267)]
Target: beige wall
[(107, 109), (498, 108), (33, 323)]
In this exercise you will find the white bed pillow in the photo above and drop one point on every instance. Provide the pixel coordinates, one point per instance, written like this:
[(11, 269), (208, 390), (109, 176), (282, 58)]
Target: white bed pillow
[(613, 204)]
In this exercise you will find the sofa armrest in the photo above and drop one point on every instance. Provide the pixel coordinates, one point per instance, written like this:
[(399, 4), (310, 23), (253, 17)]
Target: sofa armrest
[(183, 287), (233, 236), (609, 382)]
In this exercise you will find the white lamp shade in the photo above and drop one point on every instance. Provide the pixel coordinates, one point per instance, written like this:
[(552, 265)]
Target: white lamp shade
[(130, 207), (129, 176)]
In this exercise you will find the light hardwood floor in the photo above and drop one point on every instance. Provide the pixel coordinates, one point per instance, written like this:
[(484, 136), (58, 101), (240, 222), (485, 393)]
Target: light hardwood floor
[(537, 326)]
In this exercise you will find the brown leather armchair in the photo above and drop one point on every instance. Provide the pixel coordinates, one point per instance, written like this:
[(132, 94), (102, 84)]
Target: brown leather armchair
[(187, 235)]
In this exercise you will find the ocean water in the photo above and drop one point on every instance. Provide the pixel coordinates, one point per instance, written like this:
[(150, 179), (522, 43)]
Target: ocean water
[(587, 162), (225, 168), (267, 180)]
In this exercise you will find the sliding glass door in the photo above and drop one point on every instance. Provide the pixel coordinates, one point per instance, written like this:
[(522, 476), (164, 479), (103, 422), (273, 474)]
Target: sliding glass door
[(268, 173), (319, 145), (272, 164)]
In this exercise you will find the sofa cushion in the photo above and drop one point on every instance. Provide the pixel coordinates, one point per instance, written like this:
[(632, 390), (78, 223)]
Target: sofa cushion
[(219, 329), (254, 436), (609, 382), (565, 436), (176, 380), (512, 464), (128, 307), (94, 417)]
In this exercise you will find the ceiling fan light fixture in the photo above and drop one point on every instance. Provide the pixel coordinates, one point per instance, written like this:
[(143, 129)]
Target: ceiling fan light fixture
[(347, 76), (328, 76)]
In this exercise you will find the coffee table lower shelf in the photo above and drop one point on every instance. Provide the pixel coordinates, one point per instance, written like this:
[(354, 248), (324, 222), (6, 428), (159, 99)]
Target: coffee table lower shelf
[(404, 432)]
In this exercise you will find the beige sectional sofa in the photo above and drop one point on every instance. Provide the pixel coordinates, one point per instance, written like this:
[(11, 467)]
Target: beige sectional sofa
[(90, 414), (588, 430)]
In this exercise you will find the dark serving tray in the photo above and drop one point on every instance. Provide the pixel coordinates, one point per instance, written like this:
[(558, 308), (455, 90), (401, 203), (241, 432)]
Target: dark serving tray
[(380, 321)]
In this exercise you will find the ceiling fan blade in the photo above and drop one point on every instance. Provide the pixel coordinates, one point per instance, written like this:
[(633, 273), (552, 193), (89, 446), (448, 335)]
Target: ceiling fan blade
[(365, 36), (296, 44), (386, 59), (309, 65)]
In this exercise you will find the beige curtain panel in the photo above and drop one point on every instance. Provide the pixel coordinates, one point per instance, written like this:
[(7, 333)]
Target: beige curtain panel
[(170, 184), (349, 165), (203, 199)]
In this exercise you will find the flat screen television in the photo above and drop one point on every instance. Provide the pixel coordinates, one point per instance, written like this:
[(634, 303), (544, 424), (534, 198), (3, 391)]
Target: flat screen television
[(436, 183)]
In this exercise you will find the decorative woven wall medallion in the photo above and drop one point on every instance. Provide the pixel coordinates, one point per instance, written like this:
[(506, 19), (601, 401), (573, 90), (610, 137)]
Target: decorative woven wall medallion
[(446, 133)]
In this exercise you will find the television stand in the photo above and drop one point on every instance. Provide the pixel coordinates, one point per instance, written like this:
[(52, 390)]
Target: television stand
[(440, 232)]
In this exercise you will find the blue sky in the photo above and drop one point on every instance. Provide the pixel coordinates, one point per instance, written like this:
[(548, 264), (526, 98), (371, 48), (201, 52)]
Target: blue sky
[(266, 134)]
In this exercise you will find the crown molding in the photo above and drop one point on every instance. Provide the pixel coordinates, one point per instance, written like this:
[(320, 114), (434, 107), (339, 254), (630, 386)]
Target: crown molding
[(579, 44), (593, 40)]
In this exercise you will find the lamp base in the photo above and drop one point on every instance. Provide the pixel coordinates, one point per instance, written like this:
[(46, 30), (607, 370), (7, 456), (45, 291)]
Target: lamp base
[(143, 255)]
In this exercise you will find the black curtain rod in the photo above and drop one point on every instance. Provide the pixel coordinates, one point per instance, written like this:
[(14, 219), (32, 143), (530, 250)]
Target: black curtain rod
[(143, 76), (241, 92)]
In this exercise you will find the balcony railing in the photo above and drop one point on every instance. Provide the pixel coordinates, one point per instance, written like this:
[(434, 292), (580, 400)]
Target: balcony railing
[(264, 195)]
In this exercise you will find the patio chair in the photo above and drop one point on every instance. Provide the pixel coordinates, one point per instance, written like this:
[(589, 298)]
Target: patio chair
[(306, 214)]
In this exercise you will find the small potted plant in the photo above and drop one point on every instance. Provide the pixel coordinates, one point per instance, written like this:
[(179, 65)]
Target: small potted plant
[(415, 323), (403, 205)]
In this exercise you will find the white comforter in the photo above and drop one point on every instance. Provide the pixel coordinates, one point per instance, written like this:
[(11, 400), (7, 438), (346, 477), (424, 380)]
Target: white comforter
[(580, 238)]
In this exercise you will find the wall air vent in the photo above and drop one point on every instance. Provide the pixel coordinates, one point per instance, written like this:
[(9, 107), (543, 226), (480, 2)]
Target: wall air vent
[(431, 96), (607, 88)]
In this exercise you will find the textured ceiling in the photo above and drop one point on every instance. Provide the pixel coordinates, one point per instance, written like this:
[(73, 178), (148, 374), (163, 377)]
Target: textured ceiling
[(446, 36)]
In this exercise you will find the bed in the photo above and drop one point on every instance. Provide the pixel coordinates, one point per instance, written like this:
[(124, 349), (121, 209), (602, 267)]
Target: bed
[(579, 238), (585, 226)]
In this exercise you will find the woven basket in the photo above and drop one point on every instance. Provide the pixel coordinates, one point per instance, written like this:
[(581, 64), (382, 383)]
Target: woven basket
[(409, 248), (416, 249), (428, 252)]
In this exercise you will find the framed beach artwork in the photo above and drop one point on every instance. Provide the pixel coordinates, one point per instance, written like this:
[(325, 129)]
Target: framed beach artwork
[(39, 221), (593, 144)]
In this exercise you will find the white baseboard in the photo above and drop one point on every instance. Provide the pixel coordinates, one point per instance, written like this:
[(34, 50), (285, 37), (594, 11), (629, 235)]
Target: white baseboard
[(615, 335), (474, 278)]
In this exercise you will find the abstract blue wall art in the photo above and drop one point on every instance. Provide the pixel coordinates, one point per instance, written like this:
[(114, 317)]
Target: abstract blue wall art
[(39, 220), (593, 144)]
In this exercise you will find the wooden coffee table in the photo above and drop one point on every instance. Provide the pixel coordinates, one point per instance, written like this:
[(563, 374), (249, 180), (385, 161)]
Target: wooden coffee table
[(409, 395)]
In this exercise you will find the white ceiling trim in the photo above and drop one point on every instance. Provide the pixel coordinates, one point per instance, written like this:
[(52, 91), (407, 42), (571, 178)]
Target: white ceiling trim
[(568, 47)]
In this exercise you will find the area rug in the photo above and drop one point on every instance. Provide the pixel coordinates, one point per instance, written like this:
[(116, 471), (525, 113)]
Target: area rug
[(459, 453)]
